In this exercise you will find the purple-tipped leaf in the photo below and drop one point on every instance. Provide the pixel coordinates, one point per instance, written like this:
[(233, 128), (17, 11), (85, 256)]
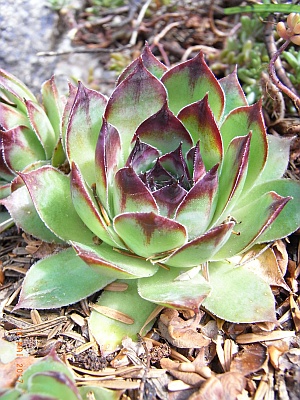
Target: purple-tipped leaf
[(114, 264), (174, 163), (168, 198), (189, 82), (195, 163), (200, 122), (202, 248), (135, 99), (234, 93), (148, 234), (142, 156), (240, 122), (131, 194), (21, 147), (10, 117), (198, 206), (83, 130), (164, 131), (66, 112)]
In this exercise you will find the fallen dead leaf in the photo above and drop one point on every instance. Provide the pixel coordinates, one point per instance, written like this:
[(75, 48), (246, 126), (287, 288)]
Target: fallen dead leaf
[(250, 359)]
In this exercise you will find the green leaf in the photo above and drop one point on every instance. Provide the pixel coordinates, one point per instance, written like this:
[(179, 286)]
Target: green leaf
[(189, 82), (23, 212), (148, 234), (99, 393), (51, 195), (112, 263), (59, 280), (135, 99), (171, 289), (238, 295), (10, 394), (109, 332), (10, 117), (53, 104)]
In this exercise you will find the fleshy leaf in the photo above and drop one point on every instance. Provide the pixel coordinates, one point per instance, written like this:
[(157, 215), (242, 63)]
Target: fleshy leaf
[(10, 117), (141, 95), (200, 122), (22, 210), (142, 156), (189, 82), (195, 163), (164, 131), (99, 393), (164, 288), (53, 104), (152, 64), (54, 282), (147, 234), (107, 158), (51, 195), (66, 113), (21, 147), (174, 163), (240, 122), (289, 218), (112, 332), (238, 295), (197, 208), (168, 198), (202, 248), (233, 175), (42, 127), (88, 210), (131, 194), (115, 264), (252, 221), (277, 159), (234, 94), (83, 130)]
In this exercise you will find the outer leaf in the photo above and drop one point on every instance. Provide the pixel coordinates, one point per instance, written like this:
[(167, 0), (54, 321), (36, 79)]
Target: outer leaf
[(99, 393), (147, 234), (112, 332), (189, 82), (234, 94), (252, 221), (23, 212), (141, 95), (88, 210), (196, 209), (240, 122), (42, 127), (202, 248), (238, 295), (10, 117), (54, 282), (200, 122), (50, 192), (164, 131), (21, 147), (66, 113), (112, 263), (233, 175), (289, 218), (53, 104), (164, 288), (83, 129)]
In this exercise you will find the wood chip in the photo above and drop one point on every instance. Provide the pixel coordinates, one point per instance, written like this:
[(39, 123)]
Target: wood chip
[(116, 287), (113, 314), (246, 338), (177, 385)]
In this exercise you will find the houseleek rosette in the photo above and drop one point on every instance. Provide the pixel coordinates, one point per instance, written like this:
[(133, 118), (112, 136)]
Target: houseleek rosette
[(181, 178)]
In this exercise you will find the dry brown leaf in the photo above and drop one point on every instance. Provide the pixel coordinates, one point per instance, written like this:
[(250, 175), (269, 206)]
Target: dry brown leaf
[(212, 389), (295, 310), (179, 332), (190, 378), (250, 359), (281, 255), (233, 384)]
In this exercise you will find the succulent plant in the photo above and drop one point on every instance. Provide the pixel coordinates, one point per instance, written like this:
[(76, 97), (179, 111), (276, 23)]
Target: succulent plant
[(180, 180), (49, 378), (29, 131)]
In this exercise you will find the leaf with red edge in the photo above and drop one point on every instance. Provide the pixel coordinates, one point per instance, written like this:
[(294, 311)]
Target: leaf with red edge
[(168, 198), (200, 122), (195, 163), (233, 176), (147, 234), (66, 112), (10, 117), (152, 64), (234, 93), (164, 131), (252, 221), (164, 288), (135, 99), (202, 248), (21, 147), (114, 264), (197, 208), (189, 82), (83, 130), (51, 194), (142, 157), (88, 210), (131, 194), (107, 159), (240, 122)]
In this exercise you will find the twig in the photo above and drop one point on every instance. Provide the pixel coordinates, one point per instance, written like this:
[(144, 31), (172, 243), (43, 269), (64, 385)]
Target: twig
[(138, 22), (82, 50)]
